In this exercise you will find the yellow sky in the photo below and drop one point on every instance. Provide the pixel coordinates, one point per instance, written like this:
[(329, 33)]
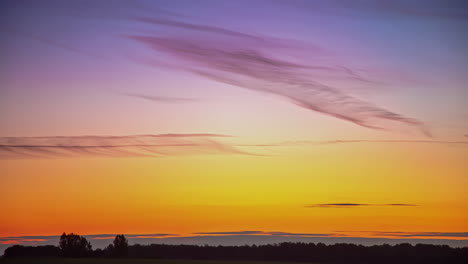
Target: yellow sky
[(203, 193)]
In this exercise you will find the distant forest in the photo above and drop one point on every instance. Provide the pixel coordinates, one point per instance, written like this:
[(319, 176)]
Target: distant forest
[(75, 246)]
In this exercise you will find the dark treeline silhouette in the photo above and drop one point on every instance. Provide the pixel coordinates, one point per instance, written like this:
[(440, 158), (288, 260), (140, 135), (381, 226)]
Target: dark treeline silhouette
[(72, 245), (118, 249), (308, 252), (30, 251)]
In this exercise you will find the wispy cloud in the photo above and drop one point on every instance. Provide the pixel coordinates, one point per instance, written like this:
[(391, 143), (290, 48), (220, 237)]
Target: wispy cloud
[(231, 233), (351, 205), (33, 240), (153, 145), (163, 99), (422, 234), (275, 233), (343, 233), (112, 236), (258, 63), (115, 146), (406, 234), (351, 141), (298, 72), (7, 241)]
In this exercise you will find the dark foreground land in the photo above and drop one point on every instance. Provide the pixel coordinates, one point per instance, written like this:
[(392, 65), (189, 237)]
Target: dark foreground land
[(128, 261), (193, 254)]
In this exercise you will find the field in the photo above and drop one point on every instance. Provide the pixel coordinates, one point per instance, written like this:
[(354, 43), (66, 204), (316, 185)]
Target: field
[(129, 261)]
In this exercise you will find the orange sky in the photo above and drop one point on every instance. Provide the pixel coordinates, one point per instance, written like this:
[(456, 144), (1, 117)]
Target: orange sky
[(208, 193)]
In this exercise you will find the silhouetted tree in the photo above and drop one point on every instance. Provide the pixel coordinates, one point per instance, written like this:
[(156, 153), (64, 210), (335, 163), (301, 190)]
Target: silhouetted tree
[(109, 251), (120, 246), (73, 245)]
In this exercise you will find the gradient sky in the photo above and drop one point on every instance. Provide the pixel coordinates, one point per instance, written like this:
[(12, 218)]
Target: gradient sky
[(194, 118)]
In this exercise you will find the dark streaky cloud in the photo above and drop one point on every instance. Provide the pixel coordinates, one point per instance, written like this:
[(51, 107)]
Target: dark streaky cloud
[(348, 141), (247, 61), (163, 99), (266, 233), (351, 205), (258, 63), (115, 146), (423, 234)]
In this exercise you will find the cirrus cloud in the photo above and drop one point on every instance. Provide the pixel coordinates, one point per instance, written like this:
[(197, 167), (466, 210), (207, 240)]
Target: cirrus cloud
[(353, 205), (258, 63), (116, 146)]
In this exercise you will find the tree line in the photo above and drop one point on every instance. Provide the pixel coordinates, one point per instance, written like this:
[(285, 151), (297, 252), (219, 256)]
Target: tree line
[(76, 246), (71, 246)]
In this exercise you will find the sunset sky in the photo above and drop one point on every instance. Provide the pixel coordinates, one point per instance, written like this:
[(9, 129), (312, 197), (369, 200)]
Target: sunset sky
[(271, 119)]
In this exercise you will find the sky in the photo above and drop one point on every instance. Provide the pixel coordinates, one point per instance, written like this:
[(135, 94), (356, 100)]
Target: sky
[(229, 121)]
